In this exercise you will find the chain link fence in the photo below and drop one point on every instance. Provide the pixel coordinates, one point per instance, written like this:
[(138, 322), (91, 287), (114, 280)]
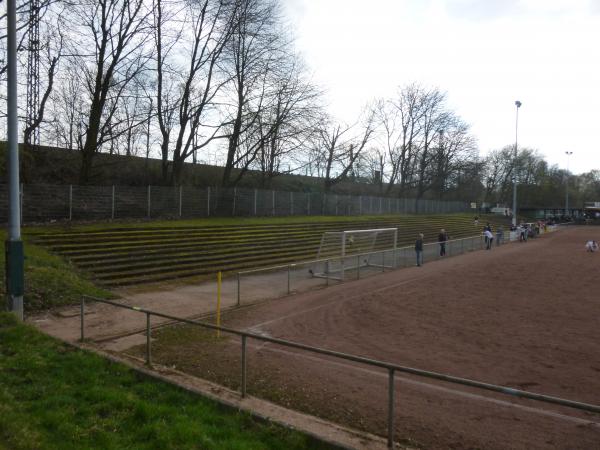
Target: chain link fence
[(46, 202), (278, 281)]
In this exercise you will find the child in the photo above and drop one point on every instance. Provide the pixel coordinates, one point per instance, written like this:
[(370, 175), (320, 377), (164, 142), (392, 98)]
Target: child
[(591, 246)]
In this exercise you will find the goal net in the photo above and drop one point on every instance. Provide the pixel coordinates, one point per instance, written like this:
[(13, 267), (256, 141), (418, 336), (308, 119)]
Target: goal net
[(341, 251)]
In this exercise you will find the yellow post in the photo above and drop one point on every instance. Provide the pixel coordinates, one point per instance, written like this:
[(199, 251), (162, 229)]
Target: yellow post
[(218, 303)]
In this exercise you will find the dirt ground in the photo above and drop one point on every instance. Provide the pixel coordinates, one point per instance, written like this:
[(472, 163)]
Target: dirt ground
[(525, 315)]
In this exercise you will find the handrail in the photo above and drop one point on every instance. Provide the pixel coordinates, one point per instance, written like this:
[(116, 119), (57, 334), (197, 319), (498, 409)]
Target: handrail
[(391, 368), (323, 260)]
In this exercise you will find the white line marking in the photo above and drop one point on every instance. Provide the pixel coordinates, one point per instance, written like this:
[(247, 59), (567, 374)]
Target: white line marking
[(434, 387), (323, 305)]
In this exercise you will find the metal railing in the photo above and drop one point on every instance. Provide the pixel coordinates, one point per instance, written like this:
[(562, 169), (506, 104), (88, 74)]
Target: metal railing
[(389, 367), (276, 281)]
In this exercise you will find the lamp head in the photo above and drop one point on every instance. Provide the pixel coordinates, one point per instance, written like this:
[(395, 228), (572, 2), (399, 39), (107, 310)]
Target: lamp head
[(518, 103)]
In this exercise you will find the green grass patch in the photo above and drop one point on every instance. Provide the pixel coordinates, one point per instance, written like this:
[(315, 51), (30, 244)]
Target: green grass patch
[(53, 396), (224, 221), (50, 281)]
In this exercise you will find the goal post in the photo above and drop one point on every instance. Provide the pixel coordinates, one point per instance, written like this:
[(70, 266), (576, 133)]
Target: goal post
[(340, 251)]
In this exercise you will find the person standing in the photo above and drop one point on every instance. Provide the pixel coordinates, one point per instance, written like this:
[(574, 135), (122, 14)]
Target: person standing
[(419, 249), (487, 227), (499, 236), (489, 239), (442, 238)]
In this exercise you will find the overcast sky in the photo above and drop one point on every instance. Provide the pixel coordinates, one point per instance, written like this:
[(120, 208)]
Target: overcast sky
[(484, 53)]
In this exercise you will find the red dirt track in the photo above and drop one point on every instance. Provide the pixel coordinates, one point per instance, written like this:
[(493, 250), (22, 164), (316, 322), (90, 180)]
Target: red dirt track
[(523, 315)]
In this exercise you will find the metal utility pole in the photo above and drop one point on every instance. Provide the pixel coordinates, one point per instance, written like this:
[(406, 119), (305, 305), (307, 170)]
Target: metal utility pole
[(14, 245), (514, 208), (567, 185)]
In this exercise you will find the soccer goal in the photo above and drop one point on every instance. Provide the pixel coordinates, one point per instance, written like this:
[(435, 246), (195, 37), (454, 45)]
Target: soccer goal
[(341, 251)]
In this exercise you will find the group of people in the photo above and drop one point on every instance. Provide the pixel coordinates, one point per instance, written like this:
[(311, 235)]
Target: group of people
[(488, 235), (442, 239)]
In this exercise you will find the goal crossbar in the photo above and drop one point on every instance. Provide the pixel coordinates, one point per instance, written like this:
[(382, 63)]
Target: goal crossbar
[(353, 249)]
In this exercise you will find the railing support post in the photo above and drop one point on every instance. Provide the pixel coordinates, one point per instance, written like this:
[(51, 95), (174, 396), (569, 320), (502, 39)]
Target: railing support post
[(238, 289), (243, 387), (81, 316), (390, 439), (148, 344)]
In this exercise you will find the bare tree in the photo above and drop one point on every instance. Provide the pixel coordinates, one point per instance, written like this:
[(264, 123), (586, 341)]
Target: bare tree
[(340, 146), (402, 123), (256, 48), (189, 76), (113, 34), (68, 109), (287, 121)]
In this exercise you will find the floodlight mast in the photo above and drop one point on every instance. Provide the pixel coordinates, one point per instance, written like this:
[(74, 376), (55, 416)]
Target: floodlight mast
[(14, 244), (567, 185), (514, 217)]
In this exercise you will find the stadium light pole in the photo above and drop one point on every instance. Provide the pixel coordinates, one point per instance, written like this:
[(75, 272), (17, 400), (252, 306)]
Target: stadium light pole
[(567, 185), (514, 218), (14, 244)]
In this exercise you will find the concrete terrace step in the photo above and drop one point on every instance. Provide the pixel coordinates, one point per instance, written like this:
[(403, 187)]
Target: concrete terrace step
[(131, 255)]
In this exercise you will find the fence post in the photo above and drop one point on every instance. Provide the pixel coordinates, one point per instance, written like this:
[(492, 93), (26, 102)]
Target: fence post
[(390, 440), (273, 203), (148, 348), (112, 206), (81, 316), (148, 201), (70, 202), (234, 198), (238, 289), (243, 366), (180, 197), (208, 201), (255, 199)]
